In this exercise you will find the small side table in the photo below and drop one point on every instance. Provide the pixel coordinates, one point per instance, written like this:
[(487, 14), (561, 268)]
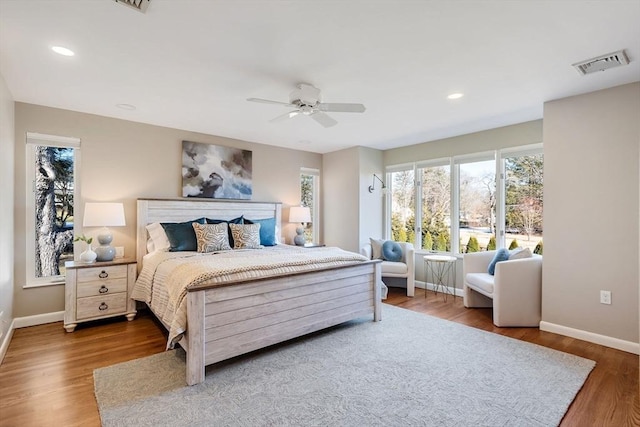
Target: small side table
[(442, 268)]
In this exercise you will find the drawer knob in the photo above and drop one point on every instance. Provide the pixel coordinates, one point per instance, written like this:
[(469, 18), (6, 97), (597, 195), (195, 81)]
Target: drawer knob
[(103, 274), (103, 289), (103, 307)]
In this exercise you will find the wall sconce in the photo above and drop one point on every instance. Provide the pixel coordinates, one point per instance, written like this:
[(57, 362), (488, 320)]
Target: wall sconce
[(104, 215), (373, 186), (301, 215)]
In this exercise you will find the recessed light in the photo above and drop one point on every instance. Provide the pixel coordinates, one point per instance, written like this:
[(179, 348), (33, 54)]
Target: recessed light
[(62, 51), (128, 107), (455, 95)]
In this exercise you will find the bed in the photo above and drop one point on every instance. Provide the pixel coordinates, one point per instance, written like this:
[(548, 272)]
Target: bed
[(228, 315)]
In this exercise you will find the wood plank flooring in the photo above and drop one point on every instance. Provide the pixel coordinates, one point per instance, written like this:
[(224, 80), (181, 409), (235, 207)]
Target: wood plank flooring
[(46, 378)]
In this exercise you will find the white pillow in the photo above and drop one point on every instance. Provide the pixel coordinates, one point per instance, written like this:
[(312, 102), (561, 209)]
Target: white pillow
[(376, 248), (520, 253), (150, 246), (158, 236)]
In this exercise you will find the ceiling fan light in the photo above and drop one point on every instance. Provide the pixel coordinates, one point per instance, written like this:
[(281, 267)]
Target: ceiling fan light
[(456, 95)]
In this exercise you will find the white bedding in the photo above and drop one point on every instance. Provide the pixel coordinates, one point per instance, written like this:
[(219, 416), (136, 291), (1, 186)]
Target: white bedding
[(166, 277)]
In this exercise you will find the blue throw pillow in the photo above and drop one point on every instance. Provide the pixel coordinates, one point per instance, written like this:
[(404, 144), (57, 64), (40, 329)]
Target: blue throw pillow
[(501, 255), (239, 220), (181, 235), (267, 230), (391, 251)]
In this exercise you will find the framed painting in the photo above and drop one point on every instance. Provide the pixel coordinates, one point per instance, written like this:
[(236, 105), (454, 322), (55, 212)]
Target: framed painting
[(215, 171)]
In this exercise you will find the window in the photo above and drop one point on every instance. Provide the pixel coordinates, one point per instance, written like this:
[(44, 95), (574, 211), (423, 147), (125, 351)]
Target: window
[(476, 203), (435, 184), (523, 190), (403, 224), (51, 171), (309, 197), (457, 205)]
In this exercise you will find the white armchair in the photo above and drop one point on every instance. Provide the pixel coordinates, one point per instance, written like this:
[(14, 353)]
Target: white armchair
[(514, 292), (403, 269)]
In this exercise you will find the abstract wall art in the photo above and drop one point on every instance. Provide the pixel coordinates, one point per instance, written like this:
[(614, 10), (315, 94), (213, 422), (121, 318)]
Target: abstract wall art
[(215, 171)]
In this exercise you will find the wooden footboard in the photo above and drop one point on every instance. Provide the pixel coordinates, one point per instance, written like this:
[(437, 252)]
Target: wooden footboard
[(228, 321)]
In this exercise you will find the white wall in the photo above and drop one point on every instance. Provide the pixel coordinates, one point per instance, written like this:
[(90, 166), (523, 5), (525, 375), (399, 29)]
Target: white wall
[(340, 210), (371, 206), (123, 161), (591, 219), (6, 210)]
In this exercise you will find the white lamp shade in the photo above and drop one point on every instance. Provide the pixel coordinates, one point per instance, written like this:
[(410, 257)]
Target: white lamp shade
[(299, 214), (103, 215)]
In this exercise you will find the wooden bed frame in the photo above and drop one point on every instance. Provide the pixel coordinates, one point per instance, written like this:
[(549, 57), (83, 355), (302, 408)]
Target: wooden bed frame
[(230, 319)]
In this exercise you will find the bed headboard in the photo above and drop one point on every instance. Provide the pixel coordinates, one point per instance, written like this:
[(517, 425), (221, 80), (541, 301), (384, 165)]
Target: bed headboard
[(180, 210)]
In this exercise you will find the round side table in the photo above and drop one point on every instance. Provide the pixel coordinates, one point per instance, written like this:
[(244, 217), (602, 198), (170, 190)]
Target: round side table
[(441, 269)]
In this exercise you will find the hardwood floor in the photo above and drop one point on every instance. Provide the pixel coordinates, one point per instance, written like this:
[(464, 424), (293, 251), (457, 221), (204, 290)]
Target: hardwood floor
[(46, 378)]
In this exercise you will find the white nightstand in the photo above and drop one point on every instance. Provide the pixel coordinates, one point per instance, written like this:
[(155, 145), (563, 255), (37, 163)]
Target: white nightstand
[(98, 290)]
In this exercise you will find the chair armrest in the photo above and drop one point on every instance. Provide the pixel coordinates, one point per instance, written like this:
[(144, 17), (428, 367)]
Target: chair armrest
[(366, 250), (477, 262), (517, 292)]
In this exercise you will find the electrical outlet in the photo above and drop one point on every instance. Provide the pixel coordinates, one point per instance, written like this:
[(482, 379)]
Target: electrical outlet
[(605, 297), (119, 251)]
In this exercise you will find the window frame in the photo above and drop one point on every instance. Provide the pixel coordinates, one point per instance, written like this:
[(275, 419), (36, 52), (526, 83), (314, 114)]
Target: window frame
[(315, 211), (454, 163), (32, 140)]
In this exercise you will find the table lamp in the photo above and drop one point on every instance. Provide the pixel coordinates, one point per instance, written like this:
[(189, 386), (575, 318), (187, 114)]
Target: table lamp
[(299, 214), (104, 215)]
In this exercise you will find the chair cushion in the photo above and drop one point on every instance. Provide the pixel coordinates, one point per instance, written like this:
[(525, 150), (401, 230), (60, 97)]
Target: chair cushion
[(483, 281), (520, 253), (391, 251), (501, 255), (389, 267)]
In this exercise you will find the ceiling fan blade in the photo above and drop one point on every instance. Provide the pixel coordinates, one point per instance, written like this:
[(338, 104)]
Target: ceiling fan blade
[(323, 119), (341, 108), (268, 101), (285, 116)]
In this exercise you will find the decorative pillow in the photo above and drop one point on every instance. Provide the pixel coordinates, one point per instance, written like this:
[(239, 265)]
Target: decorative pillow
[(238, 220), (181, 235), (391, 251), (520, 253), (267, 230), (159, 240), (376, 248), (501, 255), (245, 236), (212, 237)]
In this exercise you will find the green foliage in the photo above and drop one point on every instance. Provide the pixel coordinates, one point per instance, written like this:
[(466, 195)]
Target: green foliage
[(491, 246), (402, 235), (514, 244), (84, 239), (472, 245), (441, 243), (538, 248), (427, 241)]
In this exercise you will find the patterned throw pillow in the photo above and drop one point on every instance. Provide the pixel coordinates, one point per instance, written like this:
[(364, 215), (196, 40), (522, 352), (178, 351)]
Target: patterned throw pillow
[(212, 237), (245, 236)]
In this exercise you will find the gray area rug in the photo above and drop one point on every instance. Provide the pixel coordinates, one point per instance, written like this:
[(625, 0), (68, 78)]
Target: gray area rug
[(408, 370)]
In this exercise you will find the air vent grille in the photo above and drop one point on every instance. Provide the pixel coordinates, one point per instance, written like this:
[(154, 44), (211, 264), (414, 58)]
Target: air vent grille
[(603, 62), (139, 5)]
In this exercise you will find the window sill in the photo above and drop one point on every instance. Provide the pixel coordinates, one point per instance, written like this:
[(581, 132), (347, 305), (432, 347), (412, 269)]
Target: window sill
[(43, 284)]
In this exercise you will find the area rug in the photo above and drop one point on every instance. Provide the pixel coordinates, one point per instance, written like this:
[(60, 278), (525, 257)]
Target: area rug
[(408, 370)]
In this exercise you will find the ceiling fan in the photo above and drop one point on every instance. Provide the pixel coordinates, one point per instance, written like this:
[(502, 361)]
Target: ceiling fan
[(305, 99)]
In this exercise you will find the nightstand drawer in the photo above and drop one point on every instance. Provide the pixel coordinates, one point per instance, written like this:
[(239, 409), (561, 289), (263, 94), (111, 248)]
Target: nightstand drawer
[(102, 273), (107, 287), (101, 305)]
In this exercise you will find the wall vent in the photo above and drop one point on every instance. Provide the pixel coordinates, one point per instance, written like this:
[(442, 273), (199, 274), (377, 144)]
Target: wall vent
[(602, 62), (139, 5)]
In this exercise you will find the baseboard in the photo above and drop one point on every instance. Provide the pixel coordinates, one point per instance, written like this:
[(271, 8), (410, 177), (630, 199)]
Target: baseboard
[(38, 319), (452, 291), (4, 345), (628, 346)]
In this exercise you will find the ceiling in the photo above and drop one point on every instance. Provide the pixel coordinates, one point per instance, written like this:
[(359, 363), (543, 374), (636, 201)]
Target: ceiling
[(192, 64)]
